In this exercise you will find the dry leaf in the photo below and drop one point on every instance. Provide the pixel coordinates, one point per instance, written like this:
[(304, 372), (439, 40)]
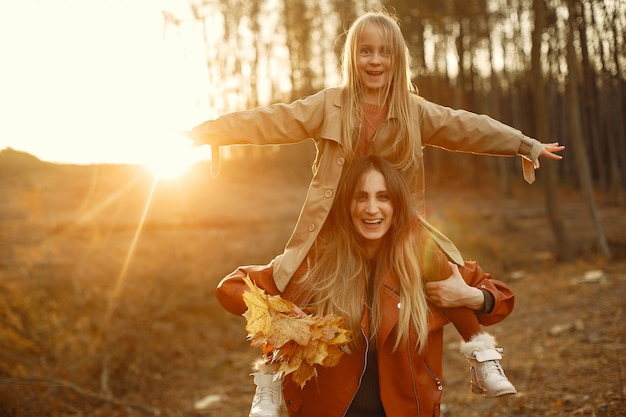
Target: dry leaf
[(297, 343)]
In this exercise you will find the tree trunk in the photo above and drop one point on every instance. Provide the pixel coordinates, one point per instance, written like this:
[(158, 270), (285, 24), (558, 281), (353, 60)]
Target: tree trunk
[(577, 141), (589, 102), (612, 116), (542, 130)]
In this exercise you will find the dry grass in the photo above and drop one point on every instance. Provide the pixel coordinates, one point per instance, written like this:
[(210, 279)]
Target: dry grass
[(107, 307)]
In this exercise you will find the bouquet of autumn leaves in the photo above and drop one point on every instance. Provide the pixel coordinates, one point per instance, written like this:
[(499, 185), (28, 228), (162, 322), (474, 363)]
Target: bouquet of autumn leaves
[(297, 342)]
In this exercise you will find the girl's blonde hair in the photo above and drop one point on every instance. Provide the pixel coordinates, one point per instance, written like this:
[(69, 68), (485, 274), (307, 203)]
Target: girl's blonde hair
[(397, 95), (339, 266)]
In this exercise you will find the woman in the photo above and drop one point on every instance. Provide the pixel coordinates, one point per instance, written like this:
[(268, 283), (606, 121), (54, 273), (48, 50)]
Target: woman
[(375, 111), (365, 266)]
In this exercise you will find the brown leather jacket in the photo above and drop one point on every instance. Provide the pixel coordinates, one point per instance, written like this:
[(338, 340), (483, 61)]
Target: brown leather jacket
[(318, 117), (410, 382)]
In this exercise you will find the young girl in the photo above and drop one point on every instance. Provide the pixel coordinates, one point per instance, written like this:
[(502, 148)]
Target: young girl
[(369, 264), (375, 111)]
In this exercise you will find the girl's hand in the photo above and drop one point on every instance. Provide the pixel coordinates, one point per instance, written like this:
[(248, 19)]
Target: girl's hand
[(549, 150)]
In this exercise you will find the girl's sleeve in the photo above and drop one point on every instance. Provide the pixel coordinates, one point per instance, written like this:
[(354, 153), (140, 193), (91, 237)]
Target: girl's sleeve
[(272, 125), (229, 291), (461, 130), (503, 296)]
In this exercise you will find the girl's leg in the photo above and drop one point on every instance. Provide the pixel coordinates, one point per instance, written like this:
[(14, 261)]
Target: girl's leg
[(268, 396), (464, 320), (480, 350)]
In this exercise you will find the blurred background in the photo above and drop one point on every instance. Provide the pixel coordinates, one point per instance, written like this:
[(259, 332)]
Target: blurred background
[(113, 234)]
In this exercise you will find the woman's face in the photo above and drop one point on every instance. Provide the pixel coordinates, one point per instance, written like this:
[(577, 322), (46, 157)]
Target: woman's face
[(373, 62), (371, 209)]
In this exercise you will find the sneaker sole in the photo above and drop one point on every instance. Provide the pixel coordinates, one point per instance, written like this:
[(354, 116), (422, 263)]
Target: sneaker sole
[(477, 390)]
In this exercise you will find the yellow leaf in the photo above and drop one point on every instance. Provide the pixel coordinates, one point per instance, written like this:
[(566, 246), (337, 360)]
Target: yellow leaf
[(286, 328), (279, 304), (304, 374), (299, 343)]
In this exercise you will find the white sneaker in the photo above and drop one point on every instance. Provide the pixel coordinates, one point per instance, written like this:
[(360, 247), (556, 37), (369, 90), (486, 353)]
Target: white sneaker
[(268, 396), (488, 377)]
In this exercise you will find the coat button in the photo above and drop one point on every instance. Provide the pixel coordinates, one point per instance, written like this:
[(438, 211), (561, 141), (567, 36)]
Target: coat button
[(311, 227), (328, 193), (341, 161)]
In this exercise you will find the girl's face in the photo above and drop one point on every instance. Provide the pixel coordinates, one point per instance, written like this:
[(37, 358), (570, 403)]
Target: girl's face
[(371, 209), (373, 62)]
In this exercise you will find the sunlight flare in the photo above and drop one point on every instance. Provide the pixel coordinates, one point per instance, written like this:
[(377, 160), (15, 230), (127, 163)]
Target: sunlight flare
[(172, 154)]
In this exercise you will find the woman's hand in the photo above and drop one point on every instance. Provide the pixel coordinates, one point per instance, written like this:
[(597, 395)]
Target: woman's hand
[(454, 292), (298, 312)]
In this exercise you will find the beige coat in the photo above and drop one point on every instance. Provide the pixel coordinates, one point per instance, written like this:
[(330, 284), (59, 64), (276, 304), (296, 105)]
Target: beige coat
[(318, 117)]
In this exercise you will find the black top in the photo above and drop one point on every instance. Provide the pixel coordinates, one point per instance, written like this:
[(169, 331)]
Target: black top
[(366, 402)]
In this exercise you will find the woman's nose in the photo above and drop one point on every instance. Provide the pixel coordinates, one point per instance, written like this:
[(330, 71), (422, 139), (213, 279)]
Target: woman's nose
[(372, 206)]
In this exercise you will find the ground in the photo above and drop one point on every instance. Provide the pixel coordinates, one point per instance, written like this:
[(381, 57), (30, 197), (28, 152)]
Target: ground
[(107, 279)]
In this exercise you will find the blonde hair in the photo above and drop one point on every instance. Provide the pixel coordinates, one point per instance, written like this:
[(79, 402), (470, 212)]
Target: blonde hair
[(397, 95), (339, 265)]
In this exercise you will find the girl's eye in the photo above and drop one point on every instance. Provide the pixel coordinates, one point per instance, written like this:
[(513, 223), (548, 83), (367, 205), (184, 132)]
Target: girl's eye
[(365, 51)]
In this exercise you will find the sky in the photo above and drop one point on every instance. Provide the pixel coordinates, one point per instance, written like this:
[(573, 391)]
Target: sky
[(91, 81)]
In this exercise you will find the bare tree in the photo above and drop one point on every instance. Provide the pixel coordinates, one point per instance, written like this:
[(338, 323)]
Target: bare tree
[(582, 162), (542, 128)]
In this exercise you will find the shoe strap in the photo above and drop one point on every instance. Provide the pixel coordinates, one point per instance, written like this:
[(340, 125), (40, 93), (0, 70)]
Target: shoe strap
[(488, 355)]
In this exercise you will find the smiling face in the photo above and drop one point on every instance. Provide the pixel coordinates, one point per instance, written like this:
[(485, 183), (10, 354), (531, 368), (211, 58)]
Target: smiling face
[(371, 209), (374, 62)]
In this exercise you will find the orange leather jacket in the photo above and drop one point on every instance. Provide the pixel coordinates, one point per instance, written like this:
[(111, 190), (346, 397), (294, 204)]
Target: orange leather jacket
[(410, 382)]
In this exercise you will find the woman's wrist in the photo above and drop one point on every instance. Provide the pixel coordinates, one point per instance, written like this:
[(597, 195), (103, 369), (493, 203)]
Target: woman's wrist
[(477, 301)]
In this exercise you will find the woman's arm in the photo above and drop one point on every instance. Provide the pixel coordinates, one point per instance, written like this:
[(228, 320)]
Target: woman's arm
[(229, 291), (466, 287)]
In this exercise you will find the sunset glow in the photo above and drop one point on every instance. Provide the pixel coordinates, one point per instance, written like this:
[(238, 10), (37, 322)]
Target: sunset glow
[(172, 155), (87, 81)]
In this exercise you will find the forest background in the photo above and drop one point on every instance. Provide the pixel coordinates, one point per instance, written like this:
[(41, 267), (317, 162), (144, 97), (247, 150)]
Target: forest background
[(107, 275)]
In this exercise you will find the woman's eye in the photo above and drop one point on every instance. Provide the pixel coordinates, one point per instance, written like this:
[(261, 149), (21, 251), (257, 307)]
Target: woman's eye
[(383, 197)]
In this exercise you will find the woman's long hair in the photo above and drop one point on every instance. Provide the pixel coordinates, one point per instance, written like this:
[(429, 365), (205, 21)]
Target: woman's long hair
[(397, 95), (339, 264)]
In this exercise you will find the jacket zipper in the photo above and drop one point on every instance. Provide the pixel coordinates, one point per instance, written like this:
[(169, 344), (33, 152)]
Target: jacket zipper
[(417, 400), (432, 375), (435, 377)]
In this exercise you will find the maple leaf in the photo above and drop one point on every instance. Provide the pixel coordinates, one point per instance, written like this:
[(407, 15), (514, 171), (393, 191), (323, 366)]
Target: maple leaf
[(297, 343), (286, 328), (258, 319)]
